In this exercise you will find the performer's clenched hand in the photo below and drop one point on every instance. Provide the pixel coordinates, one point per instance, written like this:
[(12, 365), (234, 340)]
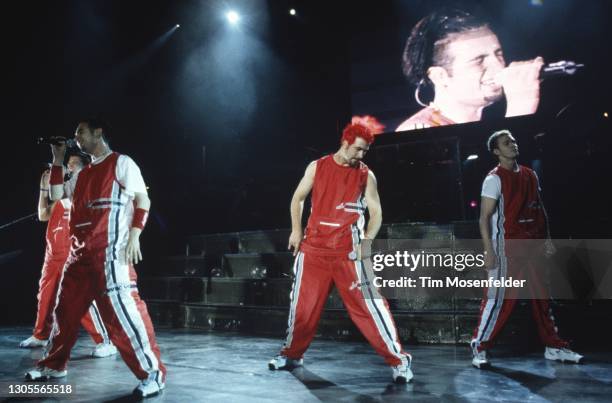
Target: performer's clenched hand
[(521, 83), (133, 254), (59, 153), (295, 239)]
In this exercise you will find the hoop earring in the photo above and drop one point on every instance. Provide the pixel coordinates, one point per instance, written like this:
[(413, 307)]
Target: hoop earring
[(417, 95)]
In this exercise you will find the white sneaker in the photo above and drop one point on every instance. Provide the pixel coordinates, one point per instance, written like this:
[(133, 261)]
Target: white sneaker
[(562, 355), (33, 342), (43, 374), (104, 350), (282, 362), (402, 373), (148, 388), (480, 359)]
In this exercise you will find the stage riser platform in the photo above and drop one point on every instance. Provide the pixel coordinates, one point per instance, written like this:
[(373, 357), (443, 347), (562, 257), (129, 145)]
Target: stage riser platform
[(414, 327), (240, 265), (242, 282), (263, 254), (273, 292), (270, 241)]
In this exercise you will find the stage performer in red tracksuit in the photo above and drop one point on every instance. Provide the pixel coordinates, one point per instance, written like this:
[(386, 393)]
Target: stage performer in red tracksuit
[(511, 209), (109, 210), (328, 253), (56, 252)]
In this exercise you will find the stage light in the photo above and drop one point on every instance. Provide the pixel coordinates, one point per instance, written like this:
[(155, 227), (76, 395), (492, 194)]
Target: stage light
[(473, 204), (232, 17), (606, 115), (292, 12), (177, 26), (472, 157)]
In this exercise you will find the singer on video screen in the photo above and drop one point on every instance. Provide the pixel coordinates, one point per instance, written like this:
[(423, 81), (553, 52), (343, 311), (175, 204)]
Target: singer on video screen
[(458, 58)]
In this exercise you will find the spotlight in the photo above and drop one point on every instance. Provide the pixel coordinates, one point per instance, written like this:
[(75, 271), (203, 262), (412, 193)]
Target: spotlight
[(292, 12), (177, 26), (605, 114), (232, 17), (473, 204), (472, 157)]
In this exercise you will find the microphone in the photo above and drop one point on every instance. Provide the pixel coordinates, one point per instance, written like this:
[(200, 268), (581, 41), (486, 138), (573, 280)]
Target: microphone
[(560, 68), (57, 141)]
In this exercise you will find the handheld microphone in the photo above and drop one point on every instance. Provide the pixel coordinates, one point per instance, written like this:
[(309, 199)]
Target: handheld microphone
[(57, 141), (560, 68)]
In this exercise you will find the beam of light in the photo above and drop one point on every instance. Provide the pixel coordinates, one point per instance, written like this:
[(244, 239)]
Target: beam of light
[(226, 74), (232, 17), (121, 71), (161, 40)]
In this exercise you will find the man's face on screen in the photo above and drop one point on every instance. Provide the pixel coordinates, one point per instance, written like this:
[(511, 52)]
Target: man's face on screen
[(475, 58)]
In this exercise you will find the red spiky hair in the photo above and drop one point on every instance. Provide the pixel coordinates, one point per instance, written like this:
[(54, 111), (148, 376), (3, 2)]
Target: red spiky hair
[(365, 127)]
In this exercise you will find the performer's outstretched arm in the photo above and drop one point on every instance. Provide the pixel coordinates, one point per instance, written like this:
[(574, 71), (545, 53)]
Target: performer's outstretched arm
[(297, 207), (374, 208)]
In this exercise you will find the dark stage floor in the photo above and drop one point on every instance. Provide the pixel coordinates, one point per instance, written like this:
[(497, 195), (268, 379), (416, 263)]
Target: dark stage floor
[(216, 367)]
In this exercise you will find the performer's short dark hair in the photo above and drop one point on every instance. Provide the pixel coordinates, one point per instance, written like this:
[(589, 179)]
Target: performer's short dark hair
[(97, 123), (492, 141), (423, 47)]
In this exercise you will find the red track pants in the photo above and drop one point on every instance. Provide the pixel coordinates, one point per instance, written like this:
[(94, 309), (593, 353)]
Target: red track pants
[(113, 287), (47, 295), (498, 304), (314, 277)]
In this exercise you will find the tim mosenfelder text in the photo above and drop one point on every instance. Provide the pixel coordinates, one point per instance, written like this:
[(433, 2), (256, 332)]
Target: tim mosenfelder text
[(456, 261)]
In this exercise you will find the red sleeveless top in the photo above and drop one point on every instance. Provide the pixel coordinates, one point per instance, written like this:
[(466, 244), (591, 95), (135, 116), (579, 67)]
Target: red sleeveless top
[(101, 211), (336, 222), (519, 207)]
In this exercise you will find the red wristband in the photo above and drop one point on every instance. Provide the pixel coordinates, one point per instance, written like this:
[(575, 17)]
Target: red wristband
[(140, 218), (57, 175)]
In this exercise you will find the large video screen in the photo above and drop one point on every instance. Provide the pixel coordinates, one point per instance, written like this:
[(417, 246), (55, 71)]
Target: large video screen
[(439, 63)]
